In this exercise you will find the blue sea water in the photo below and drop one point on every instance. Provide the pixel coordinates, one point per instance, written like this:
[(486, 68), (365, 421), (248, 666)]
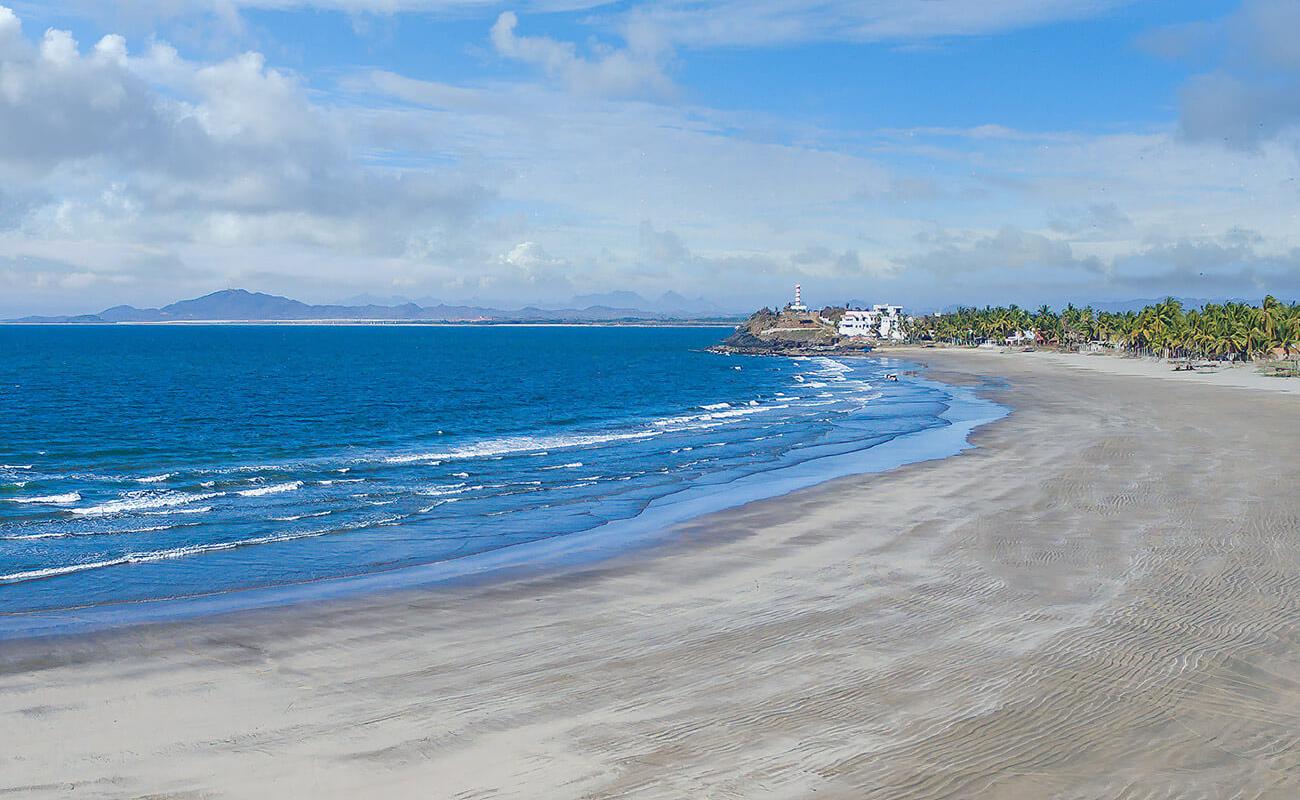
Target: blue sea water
[(159, 463)]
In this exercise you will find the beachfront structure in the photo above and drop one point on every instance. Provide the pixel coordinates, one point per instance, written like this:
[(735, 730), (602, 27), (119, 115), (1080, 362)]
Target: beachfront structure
[(797, 305), (880, 322)]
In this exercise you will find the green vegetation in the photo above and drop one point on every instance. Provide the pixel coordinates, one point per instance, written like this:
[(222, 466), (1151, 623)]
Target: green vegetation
[(1229, 331)]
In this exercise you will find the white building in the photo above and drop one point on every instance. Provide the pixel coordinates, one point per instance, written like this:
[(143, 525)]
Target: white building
[(881, 322)]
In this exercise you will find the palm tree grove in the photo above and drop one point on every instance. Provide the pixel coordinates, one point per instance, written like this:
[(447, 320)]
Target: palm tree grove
[(1228, 331)]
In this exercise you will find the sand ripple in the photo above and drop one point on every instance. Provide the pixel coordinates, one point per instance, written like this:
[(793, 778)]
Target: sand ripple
[(1103, 601)]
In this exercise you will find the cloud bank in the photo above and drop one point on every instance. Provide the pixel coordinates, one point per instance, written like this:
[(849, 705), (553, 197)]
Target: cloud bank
[(139, 173)]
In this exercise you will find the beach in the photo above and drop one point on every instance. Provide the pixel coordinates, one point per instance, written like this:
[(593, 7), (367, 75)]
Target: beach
[(1100, 599)]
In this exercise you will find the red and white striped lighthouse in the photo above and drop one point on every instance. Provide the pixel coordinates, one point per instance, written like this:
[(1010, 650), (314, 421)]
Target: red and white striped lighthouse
[(798, 305)]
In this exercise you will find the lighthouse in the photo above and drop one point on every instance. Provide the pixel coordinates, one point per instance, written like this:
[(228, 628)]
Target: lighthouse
[(798, 305)]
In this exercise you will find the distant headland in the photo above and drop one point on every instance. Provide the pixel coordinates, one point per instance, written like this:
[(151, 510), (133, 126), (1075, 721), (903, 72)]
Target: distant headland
[(240, 305), (796, 330)]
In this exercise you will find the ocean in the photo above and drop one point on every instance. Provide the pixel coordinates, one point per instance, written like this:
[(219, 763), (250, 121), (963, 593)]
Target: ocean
[(141, 466)]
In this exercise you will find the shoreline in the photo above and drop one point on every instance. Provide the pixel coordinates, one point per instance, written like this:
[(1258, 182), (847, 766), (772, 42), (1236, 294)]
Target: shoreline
[(1094, 601), (1240, 375), (391, 323), (613, 539)]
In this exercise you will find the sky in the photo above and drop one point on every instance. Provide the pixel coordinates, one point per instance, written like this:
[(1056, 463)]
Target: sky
[(923, 152)]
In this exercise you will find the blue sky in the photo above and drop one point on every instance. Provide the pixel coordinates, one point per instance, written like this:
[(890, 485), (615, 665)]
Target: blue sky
[(921, 151)]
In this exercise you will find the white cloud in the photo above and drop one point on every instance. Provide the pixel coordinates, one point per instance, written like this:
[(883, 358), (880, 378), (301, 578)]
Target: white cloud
[(656, 23), (773, 22), (1252, 92), (609, 73), (233, 151), (151, 176), (963, 255), (531, 256)]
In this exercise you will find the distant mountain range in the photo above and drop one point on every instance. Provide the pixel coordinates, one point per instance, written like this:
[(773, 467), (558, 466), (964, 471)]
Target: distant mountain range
[(240, 305), (670, 303)]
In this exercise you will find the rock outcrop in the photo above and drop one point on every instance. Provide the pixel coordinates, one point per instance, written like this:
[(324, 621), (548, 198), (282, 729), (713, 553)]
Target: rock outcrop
[(786, 332)]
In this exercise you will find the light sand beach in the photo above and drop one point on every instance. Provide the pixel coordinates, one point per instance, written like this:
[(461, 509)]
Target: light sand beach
[(1101, 600)]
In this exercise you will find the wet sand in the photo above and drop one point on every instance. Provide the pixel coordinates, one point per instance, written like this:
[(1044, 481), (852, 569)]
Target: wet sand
[(1101, 600)]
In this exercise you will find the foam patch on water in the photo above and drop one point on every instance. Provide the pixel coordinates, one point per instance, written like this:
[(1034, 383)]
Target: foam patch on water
[(170, 512), (276, 488), (714, 418), (296, 517), (181, 552), (511, 445), (49, 499), (447, 490), (86, 534), (143, 501)]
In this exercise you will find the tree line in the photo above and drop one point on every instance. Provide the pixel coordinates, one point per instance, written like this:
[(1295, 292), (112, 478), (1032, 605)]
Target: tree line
[(1236, 331)]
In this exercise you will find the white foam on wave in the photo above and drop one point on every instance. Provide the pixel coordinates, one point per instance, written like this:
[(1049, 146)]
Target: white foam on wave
[(714, 418), (171, 511), (143, 501), (15, 466), (832, 369), (49, 499), (183, 552), (84, 534), (573, 465), (715, 406), (275, 488), (27, 536), (447, 490), (341, 480), (511, 445), (154, 528), (441, 502), (296, 517), (156, 478)]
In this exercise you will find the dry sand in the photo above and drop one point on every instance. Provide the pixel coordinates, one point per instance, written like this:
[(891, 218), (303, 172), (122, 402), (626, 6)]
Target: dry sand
[(1245, 376), (1101, 600)]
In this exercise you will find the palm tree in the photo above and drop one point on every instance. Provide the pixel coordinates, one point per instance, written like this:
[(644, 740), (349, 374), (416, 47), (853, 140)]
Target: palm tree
[(1233, 330)]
